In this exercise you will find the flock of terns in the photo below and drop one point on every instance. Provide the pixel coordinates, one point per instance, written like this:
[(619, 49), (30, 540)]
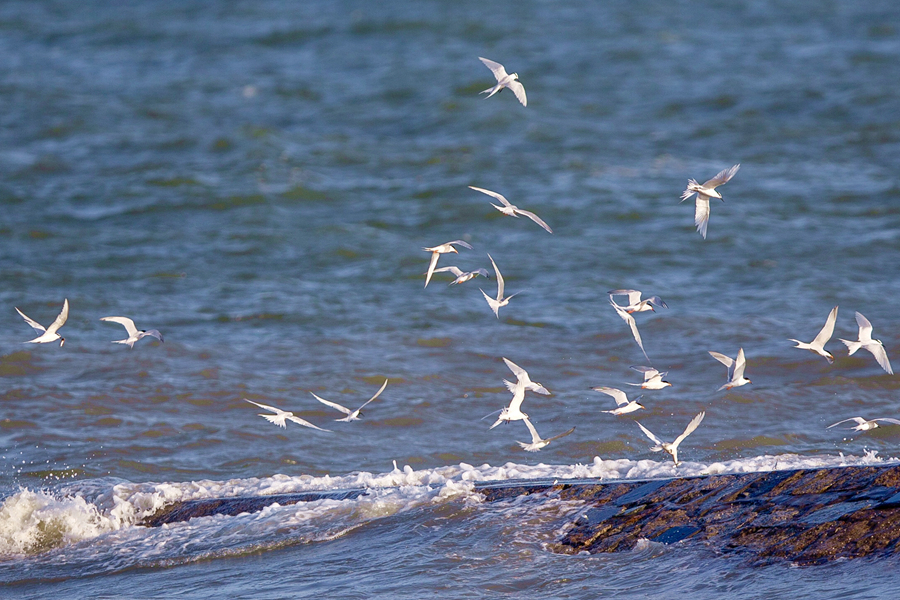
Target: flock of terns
[(653, 379)]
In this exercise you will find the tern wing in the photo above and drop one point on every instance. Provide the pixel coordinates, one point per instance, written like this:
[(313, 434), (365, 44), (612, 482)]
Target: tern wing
[(637, 335), (495, 67), (689, 429), (265, 406), (516, 369), (650, 435), (154, 333), (649, 372), (519, 90), (858, 420), (378, 393), (865, 328), (125, 322), (880, 355), (618, 395), (535, 438), (462, 243), (634, 296), (828, 329), (333, 405), (561, 435), (305, 423), (725, 360), (739, 364), (500, 284), (495, 195), (61, 318), (34, 324), (657, 301), (535, 218), (510, 385), (451, 269), (701, 213), (631, 323), (431, 265), (887, 420), (722, 177)]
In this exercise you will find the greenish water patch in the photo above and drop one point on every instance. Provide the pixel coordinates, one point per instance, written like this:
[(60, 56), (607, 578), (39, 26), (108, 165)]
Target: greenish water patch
[(441, 342)]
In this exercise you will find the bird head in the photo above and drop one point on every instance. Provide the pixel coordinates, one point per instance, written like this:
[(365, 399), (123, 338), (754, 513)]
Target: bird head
[(667, 383), (61, 342)]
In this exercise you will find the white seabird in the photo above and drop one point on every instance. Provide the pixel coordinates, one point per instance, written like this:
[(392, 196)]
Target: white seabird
[(735, 369), (510, 209), (865, 425), (134, 334), (280, 415), (536, 441), (653, 379), (866, 342), (818, 344), (500, 302), (49, 334), (624, 406), (352, 415), (504, 80), (635, 304), (673, 447), (704, 193)]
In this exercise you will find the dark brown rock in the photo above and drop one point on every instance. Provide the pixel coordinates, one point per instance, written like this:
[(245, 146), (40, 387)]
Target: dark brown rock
[(807, 516)]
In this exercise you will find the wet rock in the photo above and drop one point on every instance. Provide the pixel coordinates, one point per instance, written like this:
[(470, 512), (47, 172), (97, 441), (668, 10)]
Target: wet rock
[(807, 516), (183, 511)]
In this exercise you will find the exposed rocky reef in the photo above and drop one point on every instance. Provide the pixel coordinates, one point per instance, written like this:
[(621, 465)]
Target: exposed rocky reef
[(807, 516)]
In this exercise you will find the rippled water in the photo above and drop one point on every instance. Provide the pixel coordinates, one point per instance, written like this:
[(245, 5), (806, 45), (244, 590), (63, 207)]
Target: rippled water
[(256, 180)]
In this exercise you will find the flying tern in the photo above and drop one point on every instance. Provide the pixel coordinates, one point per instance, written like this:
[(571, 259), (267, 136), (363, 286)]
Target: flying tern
[(352, 415), (865, 342), (442, 249), (704, 193), (653, 379), (865, 425), (818, 345), (504, 80), (536, 441), (624, 406), (673, 447), (134, 334), (49, 334), (280, 415), (462, 276), (510, 209), (635, 304), (735, 369), (500, 302)]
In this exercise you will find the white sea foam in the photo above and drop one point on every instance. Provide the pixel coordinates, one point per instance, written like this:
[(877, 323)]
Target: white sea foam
[(33, 522)]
